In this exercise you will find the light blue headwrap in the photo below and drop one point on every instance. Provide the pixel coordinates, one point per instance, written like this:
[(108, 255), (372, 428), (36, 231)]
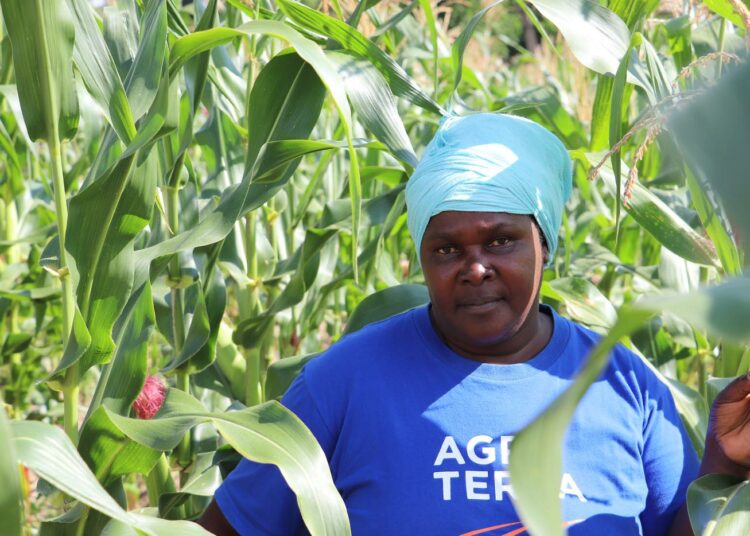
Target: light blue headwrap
[(491, 163)]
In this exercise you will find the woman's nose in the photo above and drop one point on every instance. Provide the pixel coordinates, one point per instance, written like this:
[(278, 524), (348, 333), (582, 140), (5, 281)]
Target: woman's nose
[(478, 270)]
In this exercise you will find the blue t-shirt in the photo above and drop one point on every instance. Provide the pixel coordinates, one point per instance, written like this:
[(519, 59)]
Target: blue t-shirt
[(418, 437)]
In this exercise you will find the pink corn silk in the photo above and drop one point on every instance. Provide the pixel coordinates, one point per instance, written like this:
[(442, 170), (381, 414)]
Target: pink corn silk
[(150, 399)]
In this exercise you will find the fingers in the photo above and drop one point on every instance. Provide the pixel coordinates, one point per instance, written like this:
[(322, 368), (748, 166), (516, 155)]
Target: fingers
[(738, 390)]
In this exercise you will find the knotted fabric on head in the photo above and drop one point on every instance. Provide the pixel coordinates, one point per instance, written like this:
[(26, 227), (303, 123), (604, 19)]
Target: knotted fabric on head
[(491, 163)]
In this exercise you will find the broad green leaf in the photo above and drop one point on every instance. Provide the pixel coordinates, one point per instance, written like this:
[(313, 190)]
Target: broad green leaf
[(597, 37), (536, 457), (722, 310), (459, 45), (726, 10), (353, 41), (103, 248), (275, 156), (281, 374), (10, 95), (99, 71), (711, 133), (663, 223), (203, 482), (42, 35), (197, 42), (268, 433), (122, 378), (144, 77), (109, 453), (48, 452), (633, 12), (714, 221), (384, 303), (717, 505), (584, 302), (615, 124), (274, 435), (120, 32), (285, 103), (11, 511), (249, 331), (693, 412), (200, 341), (374, 103)]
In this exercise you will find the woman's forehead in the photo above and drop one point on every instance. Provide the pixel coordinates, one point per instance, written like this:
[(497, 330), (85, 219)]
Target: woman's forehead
[(457, 222)]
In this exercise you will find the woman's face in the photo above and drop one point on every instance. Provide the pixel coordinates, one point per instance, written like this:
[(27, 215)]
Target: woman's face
[(483, 271)]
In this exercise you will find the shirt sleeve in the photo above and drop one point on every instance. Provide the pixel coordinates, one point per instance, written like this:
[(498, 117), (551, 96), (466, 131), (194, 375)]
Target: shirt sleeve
[(669, 461), (255, 498)]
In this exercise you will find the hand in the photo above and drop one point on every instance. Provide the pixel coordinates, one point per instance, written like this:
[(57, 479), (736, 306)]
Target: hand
[(728, 438)]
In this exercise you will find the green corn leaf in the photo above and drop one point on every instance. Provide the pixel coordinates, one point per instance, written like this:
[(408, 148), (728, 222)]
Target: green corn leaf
[(198, 42), (429, 16), (281, 374), (353, 41), (725, 9), (285, 103), (42, 34), (201, 336), (712, 217), (145, 75), (267, 434), (249, 331), (721, 310), (120, 32), (374, 103), (536, 456), (48, 452), (459, 46), (11, 511), (99, 71), (597, 37), (711, 133), (584, 302), (10, 95), (204, 480), (104, 250), (663, 223), (122, 378), (109, 453), (387, 302), (615, 125), (717, 505)]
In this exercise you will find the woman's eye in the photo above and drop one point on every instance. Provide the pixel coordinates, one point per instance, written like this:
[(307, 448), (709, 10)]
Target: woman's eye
[(446, 250), (500, 242)]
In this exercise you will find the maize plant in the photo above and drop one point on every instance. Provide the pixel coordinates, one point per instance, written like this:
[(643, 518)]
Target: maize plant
[(197, 198)]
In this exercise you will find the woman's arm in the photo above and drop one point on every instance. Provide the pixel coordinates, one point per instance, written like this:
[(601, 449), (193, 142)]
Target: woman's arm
[(727, 442)]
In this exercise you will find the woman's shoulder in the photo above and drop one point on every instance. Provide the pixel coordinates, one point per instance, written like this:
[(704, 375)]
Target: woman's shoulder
[(370, 345)]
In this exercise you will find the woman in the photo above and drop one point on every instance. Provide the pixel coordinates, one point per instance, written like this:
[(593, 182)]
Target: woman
[(417, 413)]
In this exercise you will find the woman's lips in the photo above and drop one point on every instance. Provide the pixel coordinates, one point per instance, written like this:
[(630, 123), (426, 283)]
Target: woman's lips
[(480, 305)]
